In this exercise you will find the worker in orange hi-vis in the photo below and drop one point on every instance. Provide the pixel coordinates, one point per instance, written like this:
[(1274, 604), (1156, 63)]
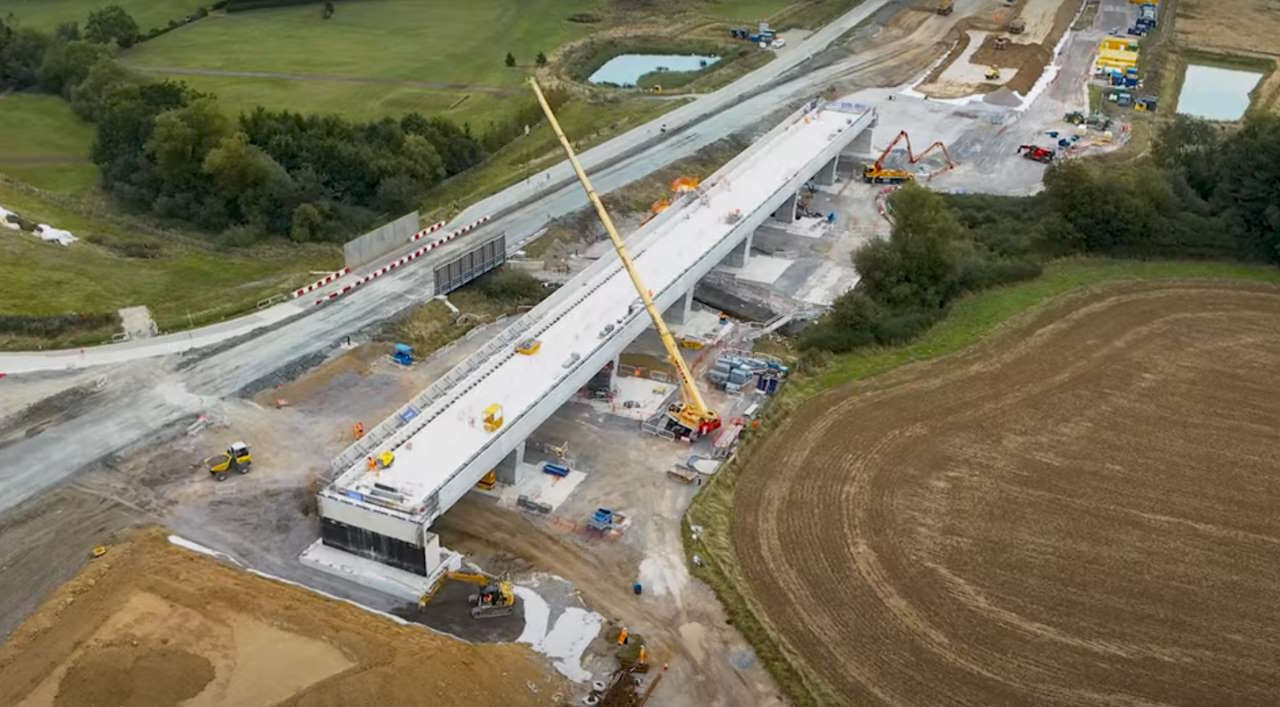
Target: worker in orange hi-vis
[(357, 430), (372, 464), (622, 636)]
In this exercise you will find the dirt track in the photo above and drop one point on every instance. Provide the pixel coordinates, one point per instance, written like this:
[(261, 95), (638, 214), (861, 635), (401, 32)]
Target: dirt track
[(151, 624), (1081, 511)]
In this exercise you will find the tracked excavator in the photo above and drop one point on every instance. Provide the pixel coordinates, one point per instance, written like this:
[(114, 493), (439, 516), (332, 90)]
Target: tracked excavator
[(494, 599), (690, 417)]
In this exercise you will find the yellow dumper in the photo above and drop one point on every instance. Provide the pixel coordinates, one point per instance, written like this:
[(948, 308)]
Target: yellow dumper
[(237, 458)]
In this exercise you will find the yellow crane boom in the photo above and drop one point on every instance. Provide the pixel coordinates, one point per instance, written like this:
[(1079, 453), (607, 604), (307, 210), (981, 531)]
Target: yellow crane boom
[(691, 413)]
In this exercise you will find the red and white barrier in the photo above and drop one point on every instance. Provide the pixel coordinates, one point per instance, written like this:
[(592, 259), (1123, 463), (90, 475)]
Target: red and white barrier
[(320, 283), (403, 260), (427, 231)]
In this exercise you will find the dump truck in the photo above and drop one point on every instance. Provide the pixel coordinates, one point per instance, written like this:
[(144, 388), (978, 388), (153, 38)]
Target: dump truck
[(237, 458)]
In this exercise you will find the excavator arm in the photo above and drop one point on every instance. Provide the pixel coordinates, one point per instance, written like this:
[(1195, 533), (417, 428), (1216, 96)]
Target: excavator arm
[(693, 413)]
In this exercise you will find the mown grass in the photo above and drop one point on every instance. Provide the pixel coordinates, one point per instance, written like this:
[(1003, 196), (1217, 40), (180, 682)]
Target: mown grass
[(179, 277), (43, 143), (47, 14), (433, 41), (586, 124), (969, 320)]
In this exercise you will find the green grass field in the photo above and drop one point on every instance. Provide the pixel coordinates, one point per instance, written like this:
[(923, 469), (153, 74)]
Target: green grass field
[(451, 45), (969, 320), (45, 144), (185, 278), (47, 14)]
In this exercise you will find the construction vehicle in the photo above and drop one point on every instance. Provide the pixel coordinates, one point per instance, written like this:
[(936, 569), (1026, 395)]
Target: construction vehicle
[(993, 73), (237, 458), (528, 347), (402, 354), (1036, 153), (495, 598), (1000, 42), (492, 418), (946, 7), (690, 417), (1017, 25), (878, 174)]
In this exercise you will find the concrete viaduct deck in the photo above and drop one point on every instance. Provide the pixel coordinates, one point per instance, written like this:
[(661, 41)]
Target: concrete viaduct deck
[(442, 448)]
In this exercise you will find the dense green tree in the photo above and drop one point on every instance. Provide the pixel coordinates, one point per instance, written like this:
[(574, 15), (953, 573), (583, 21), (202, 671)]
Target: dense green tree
[(541, 59), (67, 31), (510, 60), (111, 24), (66, 64), (21, 54)]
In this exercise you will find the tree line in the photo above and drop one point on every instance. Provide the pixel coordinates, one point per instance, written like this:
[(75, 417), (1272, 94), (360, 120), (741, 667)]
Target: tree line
[(1205, 192), (167, 149)]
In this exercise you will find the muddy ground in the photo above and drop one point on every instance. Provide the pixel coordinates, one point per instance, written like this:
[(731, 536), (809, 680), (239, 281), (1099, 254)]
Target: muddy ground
[(152, 624), (1081, 511)]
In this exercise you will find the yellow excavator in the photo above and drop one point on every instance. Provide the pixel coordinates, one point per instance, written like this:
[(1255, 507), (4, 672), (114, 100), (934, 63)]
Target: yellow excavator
[(690, 417), (494, 599)]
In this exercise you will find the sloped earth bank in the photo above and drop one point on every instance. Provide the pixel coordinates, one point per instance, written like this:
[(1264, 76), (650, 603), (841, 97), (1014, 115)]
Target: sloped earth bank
[(1080, 511), (153, 624)]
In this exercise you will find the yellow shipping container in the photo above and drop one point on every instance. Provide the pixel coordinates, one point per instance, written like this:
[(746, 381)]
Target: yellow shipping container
[(1123, 44)]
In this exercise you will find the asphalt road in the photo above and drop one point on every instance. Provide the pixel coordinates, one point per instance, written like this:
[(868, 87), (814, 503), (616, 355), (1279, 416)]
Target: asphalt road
[(143, 397)]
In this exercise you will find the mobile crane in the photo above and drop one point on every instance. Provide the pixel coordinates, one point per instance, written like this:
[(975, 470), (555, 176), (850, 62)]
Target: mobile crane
[(690, 417)]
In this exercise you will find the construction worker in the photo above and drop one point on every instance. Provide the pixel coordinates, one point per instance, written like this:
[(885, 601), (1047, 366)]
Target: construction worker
[(357, 430), (372, 464)]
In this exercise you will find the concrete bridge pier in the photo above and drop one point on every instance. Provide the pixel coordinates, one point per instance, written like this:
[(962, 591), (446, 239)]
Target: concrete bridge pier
[(677, 313), (787, 212), (738, 257), (509, 470), (827, 175)]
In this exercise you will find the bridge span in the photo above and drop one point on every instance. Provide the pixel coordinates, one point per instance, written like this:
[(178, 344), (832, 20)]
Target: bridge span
[(441, 445)]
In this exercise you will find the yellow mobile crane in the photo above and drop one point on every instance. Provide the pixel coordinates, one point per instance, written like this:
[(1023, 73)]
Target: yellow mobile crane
[(691, 414)]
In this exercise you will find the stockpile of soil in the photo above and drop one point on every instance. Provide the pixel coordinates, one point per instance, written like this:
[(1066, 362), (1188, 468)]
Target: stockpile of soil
[(1081, 510), (1029, 60), (152, 624)]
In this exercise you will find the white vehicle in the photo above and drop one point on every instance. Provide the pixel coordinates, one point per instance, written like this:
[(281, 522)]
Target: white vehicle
[(779, 43)]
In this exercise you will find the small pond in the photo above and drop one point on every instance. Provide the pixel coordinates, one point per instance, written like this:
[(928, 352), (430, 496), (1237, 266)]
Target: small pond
[(1216, 94), (626, 69)]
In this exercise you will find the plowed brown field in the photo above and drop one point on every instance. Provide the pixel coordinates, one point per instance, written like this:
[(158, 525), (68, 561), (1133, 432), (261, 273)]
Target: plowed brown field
[(1084, 510)]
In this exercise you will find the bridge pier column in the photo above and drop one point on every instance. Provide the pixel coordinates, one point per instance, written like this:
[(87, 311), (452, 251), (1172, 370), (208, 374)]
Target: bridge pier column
[(787, 212), (738, 257), (679, 312), (827, 175), (509, 470), (613, 372), (860, 146)]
